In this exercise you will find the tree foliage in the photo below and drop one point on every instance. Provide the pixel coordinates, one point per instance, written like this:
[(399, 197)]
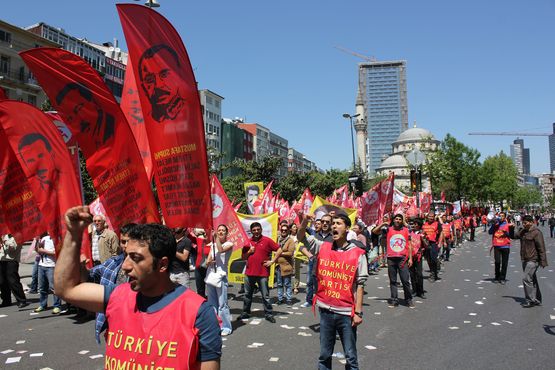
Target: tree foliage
[(500, 178), (525, 196)]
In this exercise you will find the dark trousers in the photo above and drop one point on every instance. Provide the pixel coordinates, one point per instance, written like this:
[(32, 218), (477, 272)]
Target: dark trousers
[(433, 251), (472, 232), (262, 283), (398, 265), (311, 281), (447, 250), (551, 230), (11, 282), (332, 324), (200, 275), (501, 256), (416, 278)]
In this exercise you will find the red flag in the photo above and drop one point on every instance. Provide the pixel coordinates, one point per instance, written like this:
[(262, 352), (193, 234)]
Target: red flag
[(306, 201), (261, 204), (131, 107), (69, 139), (222, 213), (378, 201), (425, 202), (442, 196), (97, 122), (44, 159), (19, 213), (237, 206), (172, 114)]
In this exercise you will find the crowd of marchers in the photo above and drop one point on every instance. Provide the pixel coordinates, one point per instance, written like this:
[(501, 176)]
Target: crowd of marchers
[(339, 256)]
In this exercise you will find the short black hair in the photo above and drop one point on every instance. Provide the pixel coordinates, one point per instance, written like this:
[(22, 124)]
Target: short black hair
[(528, 218), (126, 229), (255, 224), (160, 240), (150, 52), (81, 89), (31, 138), (224, 226), (253, 187), (345, 219)]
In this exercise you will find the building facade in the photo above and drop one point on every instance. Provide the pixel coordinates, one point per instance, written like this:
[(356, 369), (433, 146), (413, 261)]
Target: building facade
[(520, 156), (279, 148), (212, 114), (15, 78), (236, 144), (384, 92)]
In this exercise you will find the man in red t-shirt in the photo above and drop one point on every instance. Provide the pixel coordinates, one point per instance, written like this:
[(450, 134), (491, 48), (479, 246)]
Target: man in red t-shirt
[(258, 255)]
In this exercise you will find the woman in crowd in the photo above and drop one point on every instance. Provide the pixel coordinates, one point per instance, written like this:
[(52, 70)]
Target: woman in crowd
[(218, 259)]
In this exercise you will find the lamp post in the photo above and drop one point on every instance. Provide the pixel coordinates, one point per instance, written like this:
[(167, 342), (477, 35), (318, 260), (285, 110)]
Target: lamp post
[(151, 3), (350, 117)]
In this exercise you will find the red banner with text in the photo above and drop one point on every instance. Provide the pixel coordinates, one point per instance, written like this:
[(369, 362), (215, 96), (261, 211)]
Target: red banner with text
[(92, 114), (45, 160), (173, 116)]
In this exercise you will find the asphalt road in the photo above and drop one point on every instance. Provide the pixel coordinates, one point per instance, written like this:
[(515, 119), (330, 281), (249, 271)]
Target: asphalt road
[(466, 322)]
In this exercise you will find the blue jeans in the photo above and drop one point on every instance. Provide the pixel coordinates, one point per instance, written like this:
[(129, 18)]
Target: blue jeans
[(217, 297), (46, 284), (311, 283), (262, 282), (330, 324), (283, 282), (35, 277)]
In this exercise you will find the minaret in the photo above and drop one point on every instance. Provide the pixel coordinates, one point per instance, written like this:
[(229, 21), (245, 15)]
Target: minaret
[(361, 125)]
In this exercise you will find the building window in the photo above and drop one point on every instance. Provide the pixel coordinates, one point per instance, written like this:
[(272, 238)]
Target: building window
[(4, 64), (32, 99), (5, 36), (217, 103), (208, 100)]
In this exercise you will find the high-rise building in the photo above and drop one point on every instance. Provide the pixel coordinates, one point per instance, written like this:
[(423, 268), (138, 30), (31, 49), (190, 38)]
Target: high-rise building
[(279, 149), (236, 144), (15, 78), (384, 92), (520, 156), (552, 151), (212, 112)]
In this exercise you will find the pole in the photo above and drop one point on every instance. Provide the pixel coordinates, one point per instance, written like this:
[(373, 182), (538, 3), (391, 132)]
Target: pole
[(353, 142)]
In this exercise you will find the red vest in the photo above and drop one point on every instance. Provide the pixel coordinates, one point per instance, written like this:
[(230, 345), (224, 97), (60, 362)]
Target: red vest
[(397, 242), (163, 339), (430, 230), (499, 239), (336, 273), (446, 227), (416, 239), (484, 220), (458, 224)]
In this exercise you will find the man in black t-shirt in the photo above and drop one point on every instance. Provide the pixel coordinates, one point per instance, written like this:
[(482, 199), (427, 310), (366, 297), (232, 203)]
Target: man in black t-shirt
[(179, 270)]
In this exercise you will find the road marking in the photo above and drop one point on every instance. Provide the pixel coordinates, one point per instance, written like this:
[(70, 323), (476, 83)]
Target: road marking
[(552, 317), (36, 354), (20, 342), (454, 327), (11, 360), (3, 315), (370, 347), (495, 324), (83, 352), (6, 351), (508, 322), (274, 359), (478, 326), (94, 357), (287, 327), (472, 314), (255, 322), (479, 302), (450, 307)]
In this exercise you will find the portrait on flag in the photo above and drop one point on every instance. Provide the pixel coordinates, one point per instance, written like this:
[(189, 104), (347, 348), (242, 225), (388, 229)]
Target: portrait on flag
[(252, 193), (36, 154)]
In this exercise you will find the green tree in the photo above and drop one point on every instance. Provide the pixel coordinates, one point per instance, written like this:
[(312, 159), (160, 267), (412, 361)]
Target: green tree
[(500, 178), (525, 196), (452, 169)]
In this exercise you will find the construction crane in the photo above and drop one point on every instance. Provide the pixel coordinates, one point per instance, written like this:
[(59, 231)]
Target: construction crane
[(348, 51), (508, 133)]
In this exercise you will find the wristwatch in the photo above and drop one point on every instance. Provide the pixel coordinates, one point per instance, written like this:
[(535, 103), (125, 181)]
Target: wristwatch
[(359, 314)]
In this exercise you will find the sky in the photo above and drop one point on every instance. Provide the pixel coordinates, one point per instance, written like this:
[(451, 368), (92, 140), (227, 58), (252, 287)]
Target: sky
[(471, 66)]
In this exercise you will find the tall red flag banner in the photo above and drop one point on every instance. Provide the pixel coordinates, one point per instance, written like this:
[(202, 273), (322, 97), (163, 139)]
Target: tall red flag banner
[(19, 213), (378, 201), (223, 213), (172, 114), (45, 160), (94, 117), (131, 107)]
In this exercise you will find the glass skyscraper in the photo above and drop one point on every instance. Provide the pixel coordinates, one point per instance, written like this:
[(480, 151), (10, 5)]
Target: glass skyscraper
[(384, 89)]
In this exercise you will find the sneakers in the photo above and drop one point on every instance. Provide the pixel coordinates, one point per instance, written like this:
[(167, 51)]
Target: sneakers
[(410, 304), (279, 303), (225, 332), (56, 310), (502, 282), (270, 319), (392, 303), (244, 316), (40, 309), (306, 304), (22, 304)]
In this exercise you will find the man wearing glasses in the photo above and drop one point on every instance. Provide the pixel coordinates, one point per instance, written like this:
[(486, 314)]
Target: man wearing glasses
[(105, 242)]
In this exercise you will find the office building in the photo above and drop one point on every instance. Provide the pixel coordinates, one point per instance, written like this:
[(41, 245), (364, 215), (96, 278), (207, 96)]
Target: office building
[(15, 78), (384, 94), (212, 114), (236, 144), (520, 156)]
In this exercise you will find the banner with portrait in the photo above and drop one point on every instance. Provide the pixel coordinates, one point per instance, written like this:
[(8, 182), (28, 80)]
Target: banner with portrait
[(173, 116), (320, 207), (19, 213), (253, 191), (378, 201), (45, 160), (269, 224), (91, 112)]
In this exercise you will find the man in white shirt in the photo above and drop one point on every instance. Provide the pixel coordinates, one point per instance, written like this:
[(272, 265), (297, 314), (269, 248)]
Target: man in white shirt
[(45, 249)]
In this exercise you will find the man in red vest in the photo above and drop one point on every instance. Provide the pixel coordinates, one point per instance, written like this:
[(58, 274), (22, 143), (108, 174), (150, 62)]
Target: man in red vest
[(418, 244), (447, 241), (433, 233), (399, 258), (151, 321), (341, 270), (501, 244)]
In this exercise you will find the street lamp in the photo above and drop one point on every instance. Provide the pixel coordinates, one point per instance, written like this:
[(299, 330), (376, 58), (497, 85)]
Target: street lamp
[(151, 3), (350, 117)]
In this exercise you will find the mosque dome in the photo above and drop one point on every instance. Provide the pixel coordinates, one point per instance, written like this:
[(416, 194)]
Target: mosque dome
[(394, 161)]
